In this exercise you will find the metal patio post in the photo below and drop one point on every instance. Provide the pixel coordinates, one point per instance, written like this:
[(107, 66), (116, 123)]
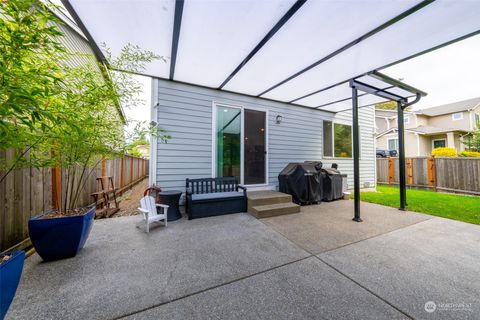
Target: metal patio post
[(401, 156), (356, 154)]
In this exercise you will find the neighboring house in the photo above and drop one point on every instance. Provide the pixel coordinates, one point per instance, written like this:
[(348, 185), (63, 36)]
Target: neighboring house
[(216, 133), (430, 128), (77, 44)]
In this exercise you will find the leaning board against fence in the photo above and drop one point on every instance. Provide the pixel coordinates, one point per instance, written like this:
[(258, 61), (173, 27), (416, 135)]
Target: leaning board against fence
[(459, 175)]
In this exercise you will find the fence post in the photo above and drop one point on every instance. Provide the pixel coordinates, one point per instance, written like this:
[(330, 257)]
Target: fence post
[(122, 167), (391, 171), (56, 191), (432, 173), (131, 169), (104, 167), (410, 171)]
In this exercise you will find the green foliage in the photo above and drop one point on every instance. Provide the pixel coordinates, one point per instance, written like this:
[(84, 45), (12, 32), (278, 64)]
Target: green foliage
[(472, 140), (444, 152), (31, 75), (387, 105), (452, 206), (56, 115)]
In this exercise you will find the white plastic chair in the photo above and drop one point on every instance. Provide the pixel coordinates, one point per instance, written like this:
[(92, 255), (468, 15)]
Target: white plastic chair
[(148, 208)]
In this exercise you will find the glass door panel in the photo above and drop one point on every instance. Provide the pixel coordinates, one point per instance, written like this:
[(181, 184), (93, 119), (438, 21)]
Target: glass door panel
[(228, 142), (254, 147)]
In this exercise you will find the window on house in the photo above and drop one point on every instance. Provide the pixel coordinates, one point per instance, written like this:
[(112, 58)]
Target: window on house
[(337, 140), (393, 144), (477, 119), (406, 120), (439, 143), (457, 116)]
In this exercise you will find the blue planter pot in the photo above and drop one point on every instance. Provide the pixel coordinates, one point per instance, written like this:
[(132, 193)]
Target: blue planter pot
[(60, 238), (10, 273)]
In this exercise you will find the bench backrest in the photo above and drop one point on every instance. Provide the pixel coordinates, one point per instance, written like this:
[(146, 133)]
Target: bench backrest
[(212, 185)]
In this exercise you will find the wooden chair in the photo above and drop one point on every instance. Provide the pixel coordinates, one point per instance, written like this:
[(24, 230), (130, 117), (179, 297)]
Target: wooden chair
[(148, 208)]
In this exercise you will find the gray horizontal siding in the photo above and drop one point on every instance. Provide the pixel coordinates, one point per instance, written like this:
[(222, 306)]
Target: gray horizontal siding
[(185, 111)]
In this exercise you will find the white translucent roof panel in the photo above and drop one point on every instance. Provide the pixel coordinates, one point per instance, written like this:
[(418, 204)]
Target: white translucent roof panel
[(363, 101), (216, 36), (378, 83), (336, 93), (316, 30), (435, 24), (146, 23)]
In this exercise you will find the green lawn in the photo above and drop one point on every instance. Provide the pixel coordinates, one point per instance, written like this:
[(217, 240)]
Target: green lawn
[(452, 206)]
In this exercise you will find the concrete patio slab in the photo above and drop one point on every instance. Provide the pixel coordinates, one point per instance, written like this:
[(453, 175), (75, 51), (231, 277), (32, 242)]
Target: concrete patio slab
[(307, 289), (329, 225), (122, 269), (437, 260)]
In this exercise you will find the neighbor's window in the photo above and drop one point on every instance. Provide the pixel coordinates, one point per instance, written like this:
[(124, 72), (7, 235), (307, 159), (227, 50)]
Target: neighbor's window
[(457, 116), (406, 119), (393, 144), (337, 140), (477, 119), (439, 143)]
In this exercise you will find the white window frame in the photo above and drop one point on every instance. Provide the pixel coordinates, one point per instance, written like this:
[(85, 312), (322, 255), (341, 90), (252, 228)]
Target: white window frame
[(406, 119), (218, 104), (333, 140), (396, 143), (457, 113), (443, 139)]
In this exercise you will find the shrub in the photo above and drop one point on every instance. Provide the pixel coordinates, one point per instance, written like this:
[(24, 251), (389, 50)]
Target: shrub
[(469, 154), (444, 152)]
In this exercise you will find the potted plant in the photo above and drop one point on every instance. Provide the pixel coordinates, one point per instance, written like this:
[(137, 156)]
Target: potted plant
[(11, 266)]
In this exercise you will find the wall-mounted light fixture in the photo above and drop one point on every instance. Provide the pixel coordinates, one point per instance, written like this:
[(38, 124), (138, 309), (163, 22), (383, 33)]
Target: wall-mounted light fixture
[(279, 119)]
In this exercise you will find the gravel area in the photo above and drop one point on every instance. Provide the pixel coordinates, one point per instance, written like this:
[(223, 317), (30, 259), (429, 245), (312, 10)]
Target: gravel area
[(129, 201)]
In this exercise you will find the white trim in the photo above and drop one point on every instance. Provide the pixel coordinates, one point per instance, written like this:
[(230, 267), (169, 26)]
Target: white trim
[(396, 144), (433, 142), (418, 144), (152, 175), (460, 113), (242, 108)]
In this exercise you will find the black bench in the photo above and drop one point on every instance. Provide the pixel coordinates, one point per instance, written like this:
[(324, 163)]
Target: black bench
[(214, 196)]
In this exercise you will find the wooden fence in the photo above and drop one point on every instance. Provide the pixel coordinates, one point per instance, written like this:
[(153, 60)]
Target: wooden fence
[(28, 192), (457, 175)]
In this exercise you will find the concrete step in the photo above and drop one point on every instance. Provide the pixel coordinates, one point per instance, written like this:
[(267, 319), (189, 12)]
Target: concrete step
[(276, 209), (261, 198)]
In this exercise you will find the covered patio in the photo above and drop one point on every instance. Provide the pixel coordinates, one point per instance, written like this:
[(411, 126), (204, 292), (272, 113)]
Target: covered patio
[(313, 265)]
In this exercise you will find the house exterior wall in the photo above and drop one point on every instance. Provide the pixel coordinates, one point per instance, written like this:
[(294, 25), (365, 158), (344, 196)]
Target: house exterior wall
[(446, 121), (381, 124), (411, 143), (185, 112)]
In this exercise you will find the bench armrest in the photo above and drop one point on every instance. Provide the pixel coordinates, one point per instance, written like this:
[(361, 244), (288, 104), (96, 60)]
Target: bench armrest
[(243, 188), (162, 205)]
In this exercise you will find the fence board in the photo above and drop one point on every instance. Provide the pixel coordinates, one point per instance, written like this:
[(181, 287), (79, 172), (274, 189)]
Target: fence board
[(28, 192), (459, 174)]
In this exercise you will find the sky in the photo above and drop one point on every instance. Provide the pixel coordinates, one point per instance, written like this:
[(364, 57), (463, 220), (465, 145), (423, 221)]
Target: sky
[(449, 74)]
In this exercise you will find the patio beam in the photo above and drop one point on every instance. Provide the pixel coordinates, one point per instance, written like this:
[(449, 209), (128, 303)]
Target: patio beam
[(297, 5), (356, 153), (177, 23)]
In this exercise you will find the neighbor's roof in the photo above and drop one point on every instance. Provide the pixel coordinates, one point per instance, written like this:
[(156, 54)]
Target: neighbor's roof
[(302, 52), (424, 130), (452, 107)]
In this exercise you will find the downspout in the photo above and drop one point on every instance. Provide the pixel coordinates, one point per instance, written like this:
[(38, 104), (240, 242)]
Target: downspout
[(152, 175)]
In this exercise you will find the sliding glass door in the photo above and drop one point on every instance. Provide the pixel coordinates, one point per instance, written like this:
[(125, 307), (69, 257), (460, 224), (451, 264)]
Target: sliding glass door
[(240, 144), (254, 147), (228, 142)]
